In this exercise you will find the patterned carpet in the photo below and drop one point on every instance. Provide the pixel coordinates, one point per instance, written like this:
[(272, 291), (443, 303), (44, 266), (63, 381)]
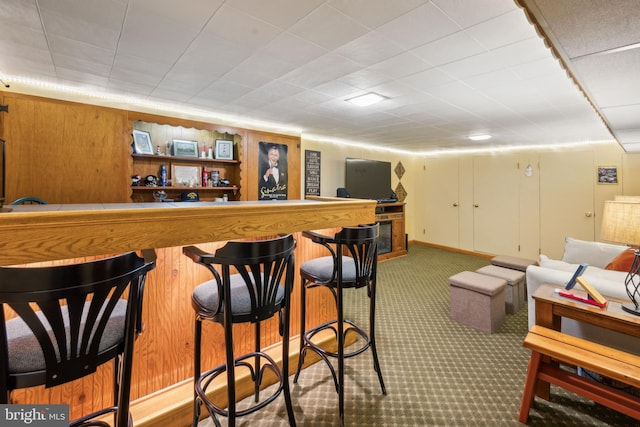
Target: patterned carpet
[(437, 372)]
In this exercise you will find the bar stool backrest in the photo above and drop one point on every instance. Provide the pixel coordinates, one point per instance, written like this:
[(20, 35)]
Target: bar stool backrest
[(264, 266), (70, 318), (361, 244)]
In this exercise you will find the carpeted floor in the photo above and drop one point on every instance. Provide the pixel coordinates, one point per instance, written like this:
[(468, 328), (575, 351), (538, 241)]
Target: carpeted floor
[(437, 372)]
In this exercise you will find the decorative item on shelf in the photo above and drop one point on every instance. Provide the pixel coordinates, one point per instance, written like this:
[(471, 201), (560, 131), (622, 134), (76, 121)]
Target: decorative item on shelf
[(159, 195), (184, 148), (205, 177), (151, 181), (224, 149), (224, 183), (210, 152), (142, 142), (135, 181), (163, 175), (621, 224), (215, 178), (189, 196)]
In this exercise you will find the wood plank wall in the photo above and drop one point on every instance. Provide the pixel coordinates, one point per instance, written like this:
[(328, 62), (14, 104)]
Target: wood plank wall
[(66, 152)]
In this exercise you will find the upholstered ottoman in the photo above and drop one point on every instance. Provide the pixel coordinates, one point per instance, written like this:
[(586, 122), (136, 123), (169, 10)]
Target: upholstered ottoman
[(477, 300), (514, 291), (512, 262)]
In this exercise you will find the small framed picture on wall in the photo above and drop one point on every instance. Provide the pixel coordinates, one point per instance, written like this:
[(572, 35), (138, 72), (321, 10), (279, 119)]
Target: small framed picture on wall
[(607, 174)]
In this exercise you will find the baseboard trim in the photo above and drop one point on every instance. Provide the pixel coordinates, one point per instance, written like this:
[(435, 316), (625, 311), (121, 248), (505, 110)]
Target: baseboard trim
[(451, 249)]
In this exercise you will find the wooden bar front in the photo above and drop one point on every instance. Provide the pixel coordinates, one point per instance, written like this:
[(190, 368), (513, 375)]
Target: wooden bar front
[(164, 352)]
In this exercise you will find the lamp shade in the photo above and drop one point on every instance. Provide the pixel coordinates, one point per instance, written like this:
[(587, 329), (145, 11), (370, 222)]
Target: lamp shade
[(621, 222)]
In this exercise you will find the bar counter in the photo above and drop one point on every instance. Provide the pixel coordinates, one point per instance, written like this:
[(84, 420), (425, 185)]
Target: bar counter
[(164, 351), (32, 233)]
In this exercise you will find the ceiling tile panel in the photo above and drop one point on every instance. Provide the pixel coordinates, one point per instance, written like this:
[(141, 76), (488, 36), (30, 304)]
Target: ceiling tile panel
[(327, 27), (423, 25)]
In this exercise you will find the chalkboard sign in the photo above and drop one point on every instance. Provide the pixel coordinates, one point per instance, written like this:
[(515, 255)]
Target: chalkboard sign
[(312, 173)]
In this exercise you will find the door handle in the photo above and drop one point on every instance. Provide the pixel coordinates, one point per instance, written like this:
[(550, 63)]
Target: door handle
[(476, 205), (455, 205), (588, 214)]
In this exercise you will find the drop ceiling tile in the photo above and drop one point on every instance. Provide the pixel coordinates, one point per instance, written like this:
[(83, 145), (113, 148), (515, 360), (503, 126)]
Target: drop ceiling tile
[(80, 50), (328, 28), (240, 28), (592, 26), (467, 13), (280, 13), (401, 65), (374, 13), (612, 80), (503, 30), (369, 49), (631, 147), (425, 24), (427, 79), (95, 22), (20, 13), (294, 49), (449, 49), (623, 117), (628, 136)]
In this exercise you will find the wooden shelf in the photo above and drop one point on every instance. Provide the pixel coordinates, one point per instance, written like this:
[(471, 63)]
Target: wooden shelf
[(164, 158), (233, 188)]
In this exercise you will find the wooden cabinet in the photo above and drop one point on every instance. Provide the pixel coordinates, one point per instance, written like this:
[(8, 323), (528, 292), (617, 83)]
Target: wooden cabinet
[(392, 240), (179, 168)]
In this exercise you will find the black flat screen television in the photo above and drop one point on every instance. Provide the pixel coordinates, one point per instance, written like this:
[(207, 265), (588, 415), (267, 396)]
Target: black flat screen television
[(368, 179)]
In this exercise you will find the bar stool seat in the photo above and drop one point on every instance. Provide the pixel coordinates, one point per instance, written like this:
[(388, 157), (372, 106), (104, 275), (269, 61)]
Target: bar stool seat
[(259, 288), (70, 319), (354, 270)]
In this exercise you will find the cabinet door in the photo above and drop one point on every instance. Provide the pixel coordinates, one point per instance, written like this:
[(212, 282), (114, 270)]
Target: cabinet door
[(496, 204), (566, 199), (441, 203)]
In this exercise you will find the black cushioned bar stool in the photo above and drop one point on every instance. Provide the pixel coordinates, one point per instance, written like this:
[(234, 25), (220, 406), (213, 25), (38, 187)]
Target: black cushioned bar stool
[(352, 264), (259, 288), (70, 320)]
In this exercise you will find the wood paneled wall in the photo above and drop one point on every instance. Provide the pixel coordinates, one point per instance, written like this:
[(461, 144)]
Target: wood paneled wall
[(66, 152)]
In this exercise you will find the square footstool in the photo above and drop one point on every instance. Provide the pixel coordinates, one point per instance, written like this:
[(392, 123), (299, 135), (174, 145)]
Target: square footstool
[(512, 262), (477, 300), (515, 289)]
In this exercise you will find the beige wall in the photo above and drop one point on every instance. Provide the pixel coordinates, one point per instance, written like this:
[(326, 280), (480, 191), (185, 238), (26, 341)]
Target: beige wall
[(528, 199)]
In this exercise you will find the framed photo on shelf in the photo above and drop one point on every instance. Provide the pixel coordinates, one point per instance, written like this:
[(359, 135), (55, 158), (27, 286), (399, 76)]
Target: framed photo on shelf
[(224, 149), (142, 142), (184, 148), (185, 175)]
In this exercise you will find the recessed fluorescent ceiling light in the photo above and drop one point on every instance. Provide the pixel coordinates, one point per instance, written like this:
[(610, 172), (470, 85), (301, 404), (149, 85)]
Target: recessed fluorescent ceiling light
[(479, 137), (366, 99)]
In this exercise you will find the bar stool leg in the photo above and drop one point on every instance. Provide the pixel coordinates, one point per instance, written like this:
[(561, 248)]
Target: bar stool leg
[(303, 348), (372, 338), (197, 404)]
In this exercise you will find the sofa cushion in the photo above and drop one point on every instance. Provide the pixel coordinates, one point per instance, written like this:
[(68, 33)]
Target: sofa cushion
[(596, 254), (623, 261), (555, 264)]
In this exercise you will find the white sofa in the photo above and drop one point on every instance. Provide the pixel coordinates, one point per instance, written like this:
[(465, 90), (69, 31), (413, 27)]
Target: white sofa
[(607, 282)]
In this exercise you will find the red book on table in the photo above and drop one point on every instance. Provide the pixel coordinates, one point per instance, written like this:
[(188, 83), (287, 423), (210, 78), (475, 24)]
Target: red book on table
[(580, 296)]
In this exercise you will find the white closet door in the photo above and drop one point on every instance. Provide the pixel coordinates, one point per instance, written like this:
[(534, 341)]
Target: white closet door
[(496, 204), (566, 199), (441, 203)]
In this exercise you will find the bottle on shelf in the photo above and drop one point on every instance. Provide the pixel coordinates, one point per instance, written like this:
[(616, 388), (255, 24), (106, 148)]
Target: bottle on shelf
[(205, 176), (163, 176)]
